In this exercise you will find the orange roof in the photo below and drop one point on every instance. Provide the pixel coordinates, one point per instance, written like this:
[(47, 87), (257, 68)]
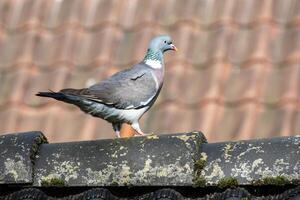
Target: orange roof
[(236, 76)]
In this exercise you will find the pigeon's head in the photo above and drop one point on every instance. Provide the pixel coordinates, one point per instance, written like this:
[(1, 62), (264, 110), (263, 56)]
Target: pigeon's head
[(162, 43)]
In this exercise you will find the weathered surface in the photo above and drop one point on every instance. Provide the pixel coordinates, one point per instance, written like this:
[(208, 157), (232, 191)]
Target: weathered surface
[(17, 152), (140, 161), (262, 162), (166, 160)]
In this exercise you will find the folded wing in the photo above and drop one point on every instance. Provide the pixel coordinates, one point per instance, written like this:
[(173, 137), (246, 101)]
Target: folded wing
[(129, 89)]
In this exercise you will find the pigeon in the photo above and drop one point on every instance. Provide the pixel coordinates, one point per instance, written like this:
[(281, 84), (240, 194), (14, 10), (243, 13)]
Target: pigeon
[(126, 95)]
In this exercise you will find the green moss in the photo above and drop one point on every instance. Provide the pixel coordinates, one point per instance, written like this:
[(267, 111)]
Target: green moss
[(200, 181), (199, 164), (269, 180), (227, 182), (114, 183), (53, 181)]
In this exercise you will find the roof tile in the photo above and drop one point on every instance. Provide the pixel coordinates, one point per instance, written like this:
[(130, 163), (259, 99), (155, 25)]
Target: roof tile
[(209, 13), (44, 81), (282, 83), (245, 43), (270, 122), (56, 14), (6, 82), (162, 119), (8, 117), (205, 119), (81, 79), (209, 45), (11, 51), (295, 127), (63, 127), (188, 84), (233, 122), (285, 45), (285, 12), (146, 11), (13, 86), (30, 120), (247, 12), (242, 83), (21, 13), (129, 51), (98, 12)]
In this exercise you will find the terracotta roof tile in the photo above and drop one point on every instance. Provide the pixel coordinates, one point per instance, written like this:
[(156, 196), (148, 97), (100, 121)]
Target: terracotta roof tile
[(44, 81), (295, 121), (210, 45), (31, 119), (58, 13), (248, 12), (6, 81), (286, 12), (282, 83), (21, 13), (10, 50), (250, 38), (236, 75), (48, 49), (8, 117), (14, 86), (242, 83), (285, 45), (205, 119), (189, 84), (129, 51), (161, 119), (233, 121), (80, 79), (270, 122)]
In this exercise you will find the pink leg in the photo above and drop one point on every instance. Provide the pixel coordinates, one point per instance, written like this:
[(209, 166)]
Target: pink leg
[(137, 128)]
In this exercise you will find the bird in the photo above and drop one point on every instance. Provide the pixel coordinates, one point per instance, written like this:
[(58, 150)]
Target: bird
[(126, 95)]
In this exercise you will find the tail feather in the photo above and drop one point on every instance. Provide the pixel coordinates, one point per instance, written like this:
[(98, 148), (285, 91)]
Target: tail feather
[(67, 95), (55, 95)]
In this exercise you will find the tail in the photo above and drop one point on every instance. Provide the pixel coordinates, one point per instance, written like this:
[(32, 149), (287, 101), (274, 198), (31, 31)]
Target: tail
[(55, 95), (65, 95)]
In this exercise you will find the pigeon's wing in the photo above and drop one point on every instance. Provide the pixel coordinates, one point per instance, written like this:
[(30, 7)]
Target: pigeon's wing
[(128, 89)]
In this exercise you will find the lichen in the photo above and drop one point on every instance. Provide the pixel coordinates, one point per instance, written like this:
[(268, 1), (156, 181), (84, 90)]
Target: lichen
[(152, 136), (213, 171), (122, 174), (227, 150), (227, 182), (66, 170), (184, 138), (52, 180), (17, 168)]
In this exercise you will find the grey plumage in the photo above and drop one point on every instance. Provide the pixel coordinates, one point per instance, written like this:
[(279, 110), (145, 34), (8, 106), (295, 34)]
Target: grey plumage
[(128, 89), (125, 96)]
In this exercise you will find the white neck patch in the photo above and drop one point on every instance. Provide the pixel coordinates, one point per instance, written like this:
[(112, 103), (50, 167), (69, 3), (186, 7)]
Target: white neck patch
[(154, 64)]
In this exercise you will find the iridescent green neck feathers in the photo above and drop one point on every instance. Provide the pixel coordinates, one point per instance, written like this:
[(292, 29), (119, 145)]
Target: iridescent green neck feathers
[(153, 55)]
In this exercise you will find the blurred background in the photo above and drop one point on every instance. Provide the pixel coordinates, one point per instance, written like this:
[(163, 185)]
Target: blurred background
[(236, 75)]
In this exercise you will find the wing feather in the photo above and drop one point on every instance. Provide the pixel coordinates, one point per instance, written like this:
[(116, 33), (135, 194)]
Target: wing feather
[(132, 88)]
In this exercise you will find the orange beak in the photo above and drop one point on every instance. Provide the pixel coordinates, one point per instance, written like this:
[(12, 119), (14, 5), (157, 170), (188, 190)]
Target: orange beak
[(174, 47)]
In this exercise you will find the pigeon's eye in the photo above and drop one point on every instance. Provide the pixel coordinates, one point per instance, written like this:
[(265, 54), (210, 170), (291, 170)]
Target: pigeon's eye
[(165, 41)]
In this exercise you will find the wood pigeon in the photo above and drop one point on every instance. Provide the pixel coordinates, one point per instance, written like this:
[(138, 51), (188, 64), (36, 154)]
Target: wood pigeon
[(125, 96)]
